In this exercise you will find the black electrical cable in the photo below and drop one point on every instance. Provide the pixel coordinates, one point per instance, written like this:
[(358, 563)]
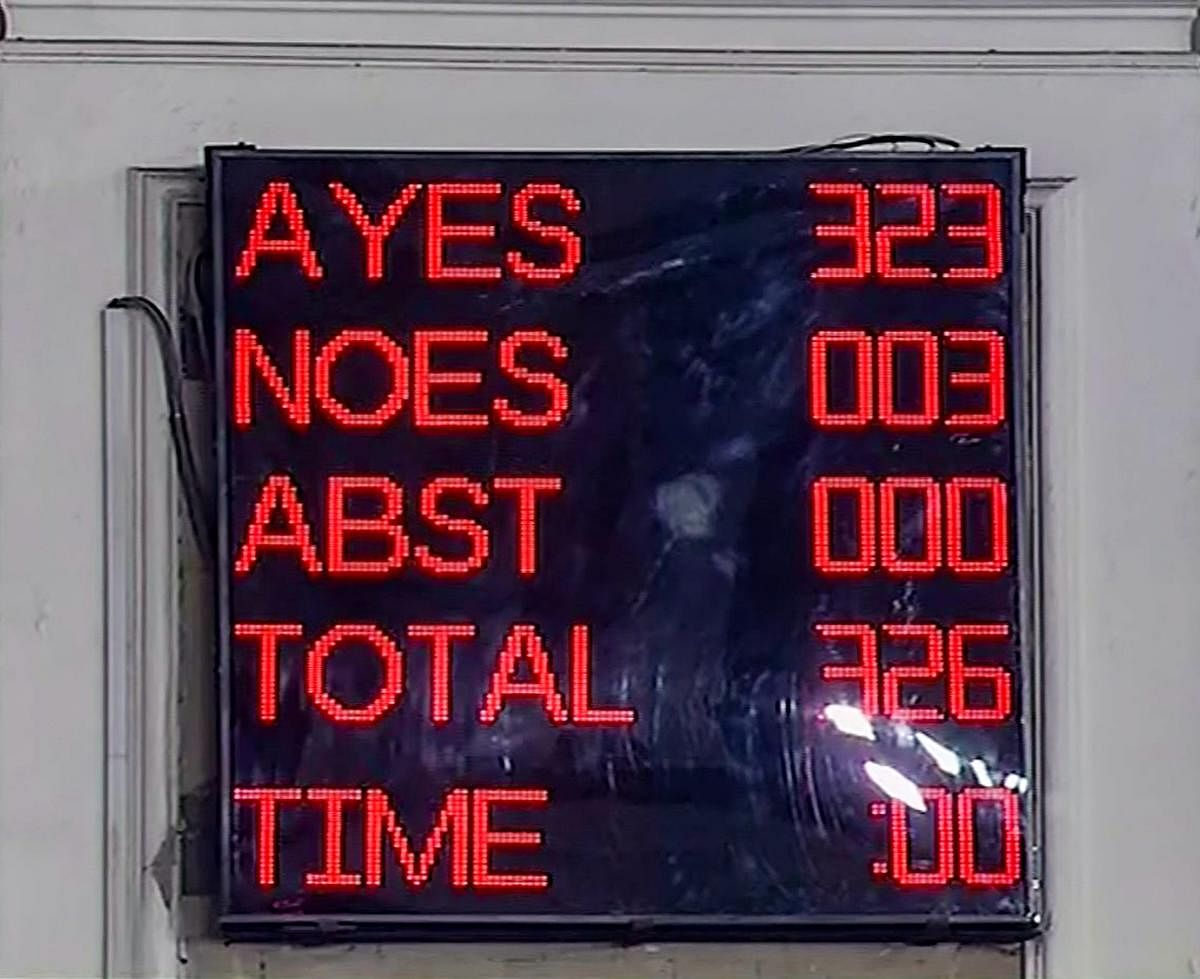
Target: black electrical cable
[(878, 139), (198, 511)]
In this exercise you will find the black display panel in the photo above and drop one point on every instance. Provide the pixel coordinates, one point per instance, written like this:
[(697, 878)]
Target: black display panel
[(625, 543)]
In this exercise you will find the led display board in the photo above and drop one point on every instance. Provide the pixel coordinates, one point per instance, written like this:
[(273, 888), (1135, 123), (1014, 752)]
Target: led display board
[(625, 543)]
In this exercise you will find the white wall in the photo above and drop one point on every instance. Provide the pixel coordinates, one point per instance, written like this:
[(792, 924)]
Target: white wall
[(80, 103)]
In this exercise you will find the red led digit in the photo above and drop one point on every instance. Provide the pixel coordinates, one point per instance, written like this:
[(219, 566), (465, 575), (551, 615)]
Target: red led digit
[(374, 233), (942, 810), (819, 347), (989, 234), (381, 826), (438, 232), (1010, 831), (857, 234), (278, 497), (473, 532), (389, 691), (567, 241), (385, 526), (484, 839), (279, 201), (990, 380), (250, 356), (961, 676), (894, 677), (441, 637), (890, 492), (268, 635), (865, 672), (925, 342), (333, 875), (527, 490), (823, 491), (582, 711), (921, 229), (553, 388), (266, 802), (425, 379), (958, 490), (384, 346), (523, 644)]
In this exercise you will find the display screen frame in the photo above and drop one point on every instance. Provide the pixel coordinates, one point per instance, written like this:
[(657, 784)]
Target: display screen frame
[(917, 928)]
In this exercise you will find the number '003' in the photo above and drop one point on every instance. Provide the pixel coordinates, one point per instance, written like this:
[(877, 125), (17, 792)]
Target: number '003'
[(965, 400)]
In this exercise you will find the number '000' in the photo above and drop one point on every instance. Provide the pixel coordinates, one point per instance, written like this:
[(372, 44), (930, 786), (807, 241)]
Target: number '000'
[(856, 527)]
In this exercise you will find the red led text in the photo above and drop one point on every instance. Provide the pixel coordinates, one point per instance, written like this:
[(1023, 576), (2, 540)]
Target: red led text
[(461, 835), (866, 512), (437, 399), (972, 692), (965, 396), (454, 216), (955, 828), (522, 677), (875, 250), (453, 516)]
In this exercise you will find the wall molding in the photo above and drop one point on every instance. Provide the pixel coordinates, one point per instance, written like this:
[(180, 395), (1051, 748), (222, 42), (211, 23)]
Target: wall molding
[(142, 601), (1068, 764), (1149, 26), (498, 58)]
